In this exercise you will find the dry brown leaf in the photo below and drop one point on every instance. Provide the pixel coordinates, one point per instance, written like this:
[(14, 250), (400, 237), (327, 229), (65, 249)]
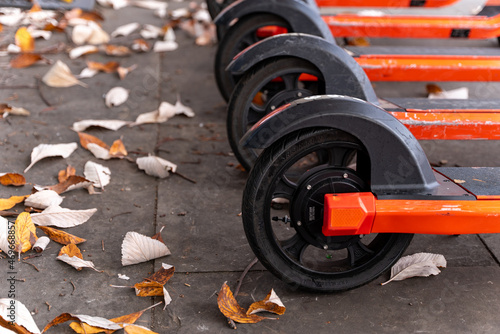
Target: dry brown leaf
[(60, 75), (433, 89), (9, 203), (23, 322), (134, 329), (153, 285), (64, 174), (92, 321), (25, 60), (85, 139), (71, 255), (72, 182), (25, 233), (232, 310), (24, 40), (271, 303), (109, 67), (137, 248), (117, 50), (123, 71), (61, 237), (358, 41), (118, 150), (12, 179), (71, 250), (141, 45), (46, 150), (6, 109)]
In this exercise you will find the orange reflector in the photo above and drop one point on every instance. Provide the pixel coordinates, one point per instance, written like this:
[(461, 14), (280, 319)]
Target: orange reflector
[(347, 214)]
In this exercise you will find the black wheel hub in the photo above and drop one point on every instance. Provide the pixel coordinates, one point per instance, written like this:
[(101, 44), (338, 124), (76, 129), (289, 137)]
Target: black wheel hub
[(308, 205), (286, 96)]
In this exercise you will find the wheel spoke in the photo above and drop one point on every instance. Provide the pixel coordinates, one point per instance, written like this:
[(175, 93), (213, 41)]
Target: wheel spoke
[(357, 252), (295, 246), (338, 156), (291, 80), (285, 188)]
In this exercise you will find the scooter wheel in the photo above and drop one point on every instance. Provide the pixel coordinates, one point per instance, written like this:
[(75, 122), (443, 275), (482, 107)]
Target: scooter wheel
[(215, 7), (297, 171), (267, 86), (245, 32)]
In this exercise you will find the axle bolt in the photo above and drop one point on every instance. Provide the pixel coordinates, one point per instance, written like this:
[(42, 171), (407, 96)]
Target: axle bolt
[(345, 175), (299, 223), (273, 107), (308, 187), (299, 94), (325, 247)]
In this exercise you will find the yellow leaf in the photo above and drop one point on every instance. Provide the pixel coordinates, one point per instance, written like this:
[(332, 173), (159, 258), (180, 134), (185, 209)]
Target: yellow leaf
[(118, 150), (64, 174), (24, 40), (148, 289), (230, 308), (9, 203), (271, 303), (61, 236), (12, 179), (132, 329), (25, 235)]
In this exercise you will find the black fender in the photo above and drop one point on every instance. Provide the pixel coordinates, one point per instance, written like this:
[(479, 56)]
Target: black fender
[(342, 74), (303, 16), (398, 163)]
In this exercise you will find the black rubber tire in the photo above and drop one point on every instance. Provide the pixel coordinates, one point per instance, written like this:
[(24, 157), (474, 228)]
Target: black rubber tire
[(214, 8), (256, 211), (247, 87), (233, 42)]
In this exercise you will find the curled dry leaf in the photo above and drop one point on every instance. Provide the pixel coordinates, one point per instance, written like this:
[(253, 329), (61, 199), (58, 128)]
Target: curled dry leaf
[(123, 71), (82, 50), (71, 255), (47, 150), (6, 109), (116, 96), (151, 32), (118, 149), (99, 152), (71, 183), (4, 234), (115, 4), (272, 303), (22, 322), (419, 264), (137, 248), (125, 30), (43, 199), (92, 321), (117, 50), (150, 4), (164, 46), (62, 217), (24, 40), (109, 67), (12, 179), (232, 310), (61, 237), (9, 203), (98, 174), (156, 166), (25, 233), (134, 329), (64, 174), (459, 93), (90, 33), (107, 124), (60, 75), (152, 286), (86, 139), (86, 73), (41, 244), (25, 60), (140, 45)]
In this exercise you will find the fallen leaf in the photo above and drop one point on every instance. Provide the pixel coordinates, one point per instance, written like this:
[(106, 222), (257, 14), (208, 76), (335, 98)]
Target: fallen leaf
[(134, 329), (12, 179), (87, 73), (116, 96), (109, 67), (169, 34), (60, 75), (420, 264), (232, 310), (24, 40), (71, 183), (433, 89), (41, 244), (82, 50), (62, 217), (150, 4), (459, 93), (47, 150), (140, 45), (23, 322), (35, 33), (61, 237), (71, 255), (64, 174), (9, 203), (137, 248), (85, 139), (99, 152), (458, 181), (123, 71), (153, 285), (107, 124), (117, 50), (4, 234), (272, 303), (117, 149), (115, 4), (25, 60), (358, 41), (182, 109), (98, 35), (125, 30), (25, 233), (151, 32), (43, 199), (92, 321), (156, 166), (164, 46), (98, 174), (6, 109)]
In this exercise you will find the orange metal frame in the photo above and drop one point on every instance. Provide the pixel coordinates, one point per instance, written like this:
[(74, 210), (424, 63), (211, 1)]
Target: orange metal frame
[(382, 3), (362, 213)]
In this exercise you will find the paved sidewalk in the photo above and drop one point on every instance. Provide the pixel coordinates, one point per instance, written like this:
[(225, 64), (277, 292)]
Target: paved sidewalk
[(202, 227)]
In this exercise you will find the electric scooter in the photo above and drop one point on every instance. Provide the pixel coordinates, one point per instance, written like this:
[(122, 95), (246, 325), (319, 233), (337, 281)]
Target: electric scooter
[(354, 186), (257, 21), (288, 67)]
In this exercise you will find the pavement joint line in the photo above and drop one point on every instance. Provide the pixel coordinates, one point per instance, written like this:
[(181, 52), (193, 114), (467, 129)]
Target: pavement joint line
[(497, 260)]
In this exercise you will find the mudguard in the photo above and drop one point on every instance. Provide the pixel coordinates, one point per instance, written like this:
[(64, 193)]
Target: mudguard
[(342, 74), (398, 163), (303, 16)]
